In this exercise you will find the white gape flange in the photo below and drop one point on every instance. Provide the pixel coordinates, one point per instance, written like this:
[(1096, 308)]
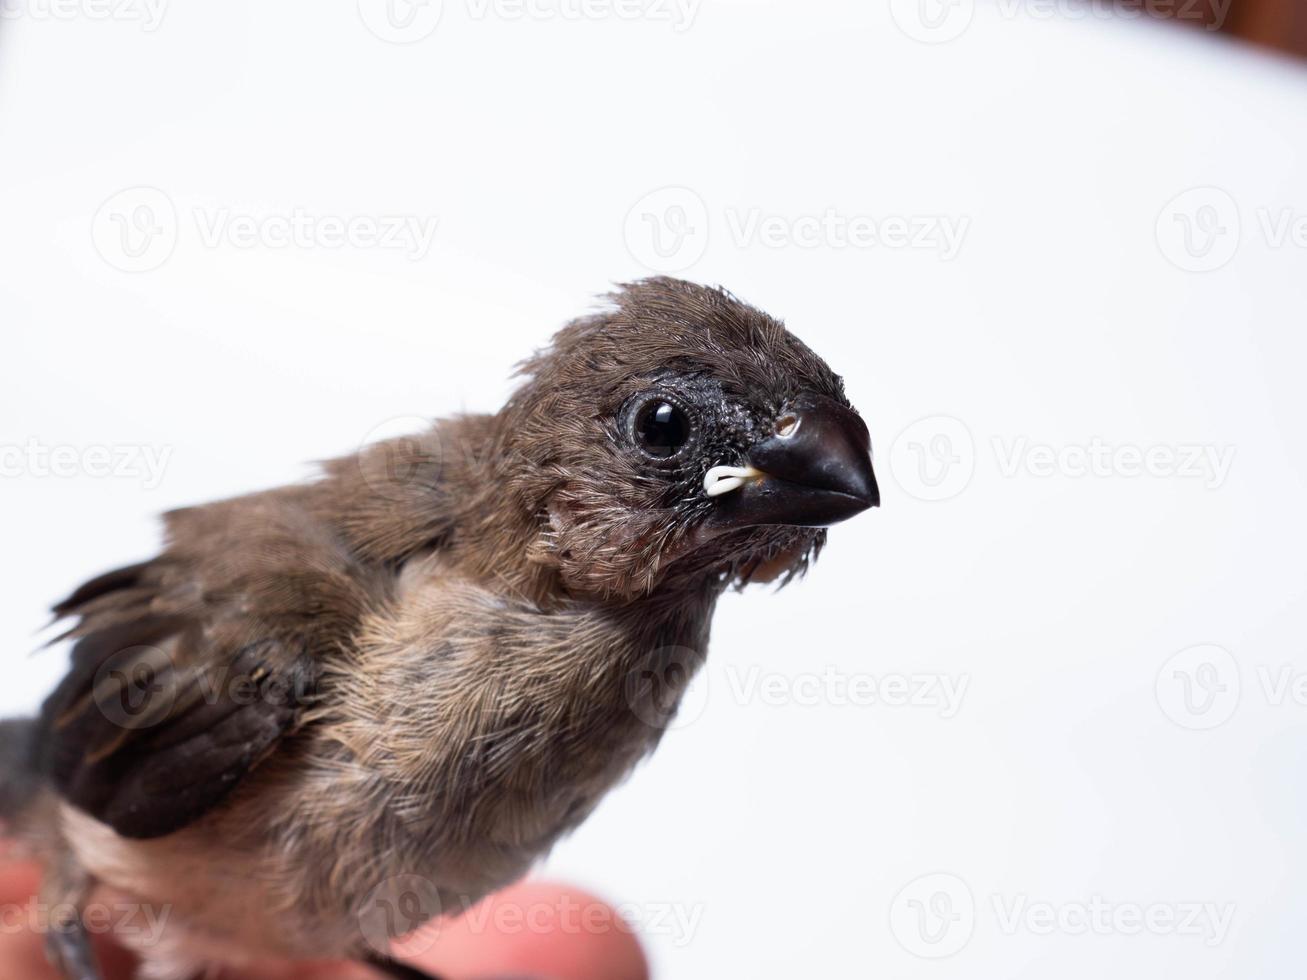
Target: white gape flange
[(724, 479)]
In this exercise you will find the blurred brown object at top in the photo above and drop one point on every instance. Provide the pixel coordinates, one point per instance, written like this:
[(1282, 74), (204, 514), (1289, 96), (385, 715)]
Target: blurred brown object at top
[(1276, 23)]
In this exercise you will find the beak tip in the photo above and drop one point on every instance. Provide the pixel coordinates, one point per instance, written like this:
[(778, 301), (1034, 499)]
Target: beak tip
[(819, 476), (873, 490), (866, 493)]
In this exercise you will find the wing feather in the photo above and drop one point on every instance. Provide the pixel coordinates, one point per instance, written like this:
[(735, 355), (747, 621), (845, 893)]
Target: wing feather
[(187, 670)]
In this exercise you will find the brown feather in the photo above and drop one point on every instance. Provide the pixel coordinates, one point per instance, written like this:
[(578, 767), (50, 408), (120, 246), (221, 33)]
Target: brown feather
[(434, 660)]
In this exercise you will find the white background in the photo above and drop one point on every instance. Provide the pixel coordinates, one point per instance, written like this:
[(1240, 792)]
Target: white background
[(783, 818)]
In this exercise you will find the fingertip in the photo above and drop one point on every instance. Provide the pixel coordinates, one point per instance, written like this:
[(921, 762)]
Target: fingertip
[(18, 878), (23, 916), (535, 929)]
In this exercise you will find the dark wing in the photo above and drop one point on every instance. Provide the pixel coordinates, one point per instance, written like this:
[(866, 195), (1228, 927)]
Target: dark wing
[(188, 669)]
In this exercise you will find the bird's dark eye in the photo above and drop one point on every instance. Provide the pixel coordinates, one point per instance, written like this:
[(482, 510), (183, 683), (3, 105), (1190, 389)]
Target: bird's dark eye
[(661, 428)]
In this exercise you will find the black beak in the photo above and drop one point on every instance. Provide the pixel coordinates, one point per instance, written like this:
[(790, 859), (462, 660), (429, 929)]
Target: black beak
[(816, 471)]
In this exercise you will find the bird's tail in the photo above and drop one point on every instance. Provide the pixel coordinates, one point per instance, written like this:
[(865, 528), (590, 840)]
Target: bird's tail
[(18, 779)]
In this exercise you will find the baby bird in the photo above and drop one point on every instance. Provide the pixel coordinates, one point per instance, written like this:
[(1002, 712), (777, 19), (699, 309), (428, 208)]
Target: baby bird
[(394, 687)]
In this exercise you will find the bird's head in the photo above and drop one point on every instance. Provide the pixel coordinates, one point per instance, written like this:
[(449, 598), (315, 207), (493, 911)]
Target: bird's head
[(682, 433)]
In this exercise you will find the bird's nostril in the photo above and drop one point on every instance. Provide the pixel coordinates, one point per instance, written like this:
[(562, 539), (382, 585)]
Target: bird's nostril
[(787, 425)]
